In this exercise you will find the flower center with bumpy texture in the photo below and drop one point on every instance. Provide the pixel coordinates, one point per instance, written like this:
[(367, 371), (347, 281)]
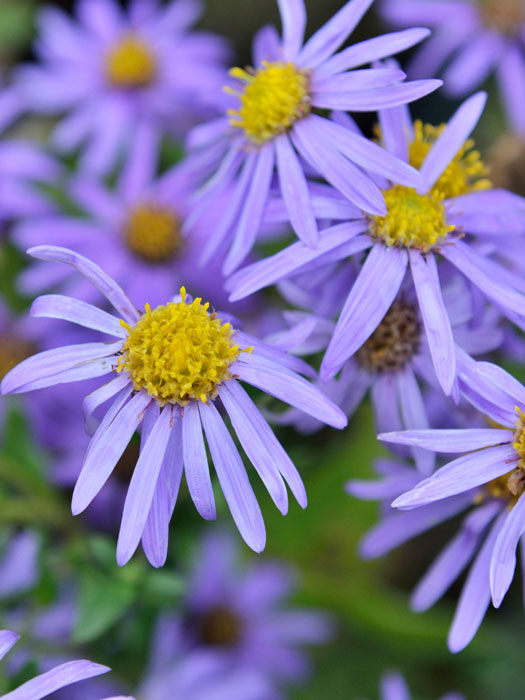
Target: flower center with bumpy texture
[(412, 220), (179, 352), (505, 16), (130, 63), (465, 173), (274, 97), (153, 233), (394, 342), (219, 627)]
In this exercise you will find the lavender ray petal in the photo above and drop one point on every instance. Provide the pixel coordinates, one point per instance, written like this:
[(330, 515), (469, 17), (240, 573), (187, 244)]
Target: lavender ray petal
[(503, 561), (77, 311), (59, 677), (455, 440), (293, 17), (196, 463)]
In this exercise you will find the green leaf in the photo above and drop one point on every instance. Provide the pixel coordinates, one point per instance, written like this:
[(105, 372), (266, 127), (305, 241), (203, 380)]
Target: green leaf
[(102, 602)]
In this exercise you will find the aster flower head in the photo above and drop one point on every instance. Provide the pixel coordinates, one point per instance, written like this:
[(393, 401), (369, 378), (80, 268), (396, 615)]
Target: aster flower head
[(394, 687), (116, 74), (490, 479), (241, 615), (169, 366), (470, 40), (47, 683), (454, 200), (273, 126)]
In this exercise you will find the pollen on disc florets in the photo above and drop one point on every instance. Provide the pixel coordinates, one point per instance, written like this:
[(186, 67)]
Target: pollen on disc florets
[(394, 342), (274, 97), (130, 63), (465, 173), (412, 220), (510, 486), (179, 352), (153, 233)]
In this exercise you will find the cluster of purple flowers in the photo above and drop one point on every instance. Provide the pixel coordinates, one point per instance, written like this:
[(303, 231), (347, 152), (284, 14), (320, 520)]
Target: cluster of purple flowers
[(407, 271)]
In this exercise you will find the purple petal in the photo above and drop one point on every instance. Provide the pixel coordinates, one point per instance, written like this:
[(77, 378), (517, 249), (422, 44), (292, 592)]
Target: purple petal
[(503, 561), (93, 273), (511, 78), (293, 17), (457, 440), (7, 641), (435, 318), (396, 130), (364, 308), (76, 311), (414, 416), (473, 63), (196, 463), (394, 687), (451, 139), (108, 445), (233, 479), (377, 98), (142, 487), (290, 388), (295, 192), (59, 677), (465, 473), (103, 394)]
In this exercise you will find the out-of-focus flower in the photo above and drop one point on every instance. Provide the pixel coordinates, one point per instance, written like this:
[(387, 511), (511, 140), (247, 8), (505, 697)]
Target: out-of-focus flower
[(43, 685), (120, 76), (170, 365), (135, 231), (490, 476), (274, 126), (472, 39), (394, 687), (238, 615), (455, 199)]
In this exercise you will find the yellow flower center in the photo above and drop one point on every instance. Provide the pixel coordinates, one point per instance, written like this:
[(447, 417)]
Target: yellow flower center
[(274, 97), (505, 16), (394, 342), (153, 233), (179, 352), (130, 63), (465, 173), (412, 221)]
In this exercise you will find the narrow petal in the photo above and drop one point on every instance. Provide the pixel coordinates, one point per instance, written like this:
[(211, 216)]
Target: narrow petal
[(142, 487), (233, 479), (7, 641), (396, 130), (435, 318), (473, 62), (93, 273), (394, 687), (59, 677), (76, 311), (475, 596), (329, 38), (364, 308), (414, 416), (449, 142), (503, 562), (290, 388), (511, 79), (293, 17), (465, 473), (457, 440), (103, 394), (377, 98), (295, 191), (196, 463), (109, 444)]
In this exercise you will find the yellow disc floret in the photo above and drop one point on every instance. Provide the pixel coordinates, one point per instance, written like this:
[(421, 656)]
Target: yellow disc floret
[(465, 173), (153, 233), (178, 352), (412, 221), (274, 97), (130, 63)]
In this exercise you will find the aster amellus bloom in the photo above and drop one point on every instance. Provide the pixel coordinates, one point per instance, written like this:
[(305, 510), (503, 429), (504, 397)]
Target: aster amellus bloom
[(274, 122), (490, 475), (116, 74), (47, 683), (470, 40), (455, 199), (170, 365)]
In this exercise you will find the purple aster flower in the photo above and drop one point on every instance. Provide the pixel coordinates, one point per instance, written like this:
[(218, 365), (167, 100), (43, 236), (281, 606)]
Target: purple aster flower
[(118, 76), (238, 614), (43, 685), (169, 365), (419, 224), (134, 230), (470, 40), (491, 477), (274, 127), (394, 687)]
